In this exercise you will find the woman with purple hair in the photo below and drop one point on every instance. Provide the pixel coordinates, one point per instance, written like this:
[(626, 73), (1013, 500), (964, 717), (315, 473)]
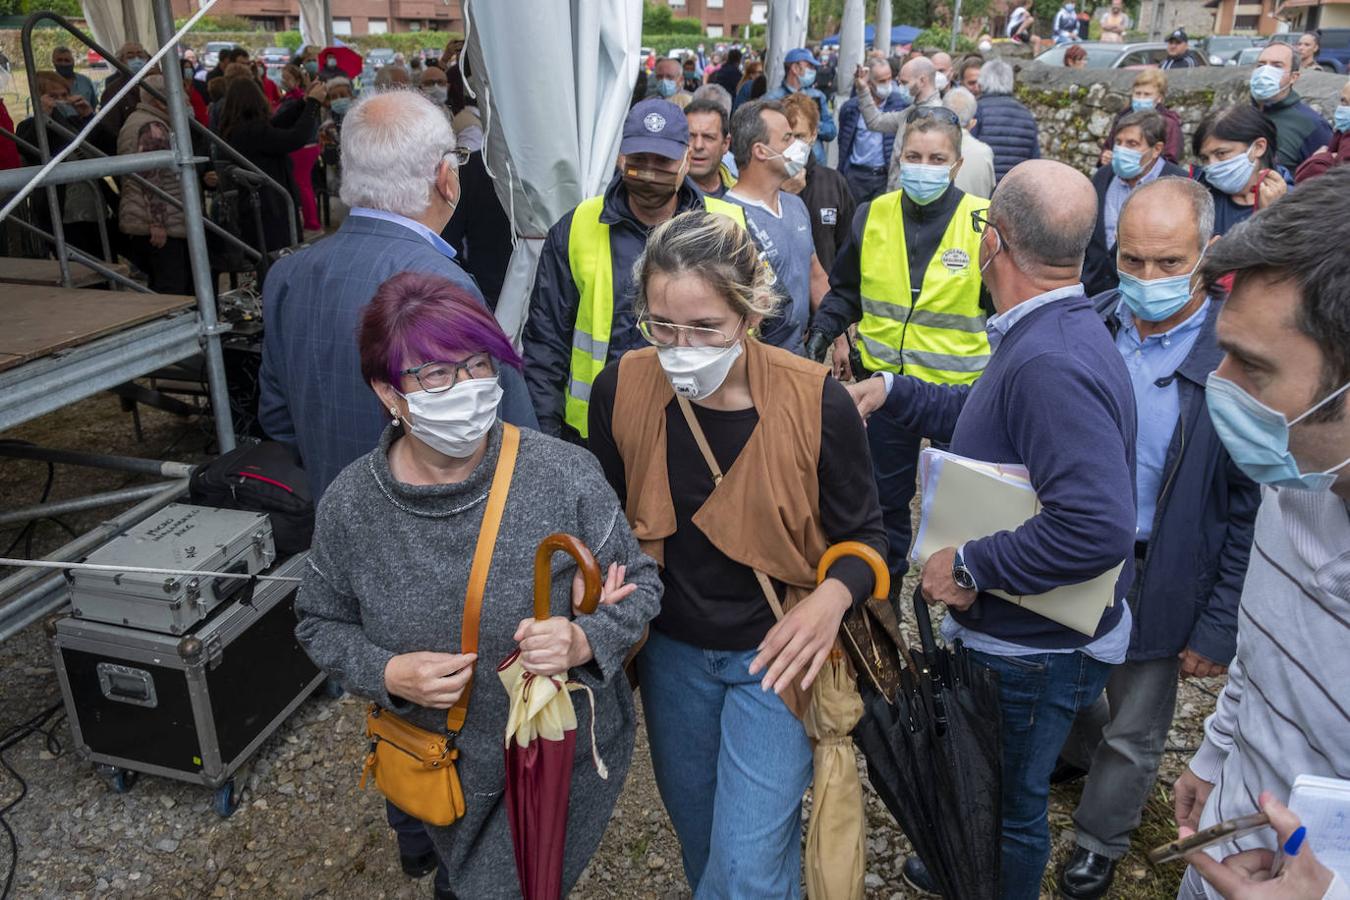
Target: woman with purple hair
[(382, 606)]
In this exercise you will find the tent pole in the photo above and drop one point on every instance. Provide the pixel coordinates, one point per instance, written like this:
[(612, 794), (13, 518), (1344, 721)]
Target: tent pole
[(196, 240), (329, 37)]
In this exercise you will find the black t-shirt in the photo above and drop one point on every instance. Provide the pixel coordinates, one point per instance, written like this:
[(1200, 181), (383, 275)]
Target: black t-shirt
[(711, 601)]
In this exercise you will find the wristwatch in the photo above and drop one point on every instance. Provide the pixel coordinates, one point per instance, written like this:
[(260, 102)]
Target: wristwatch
[(960, 574)]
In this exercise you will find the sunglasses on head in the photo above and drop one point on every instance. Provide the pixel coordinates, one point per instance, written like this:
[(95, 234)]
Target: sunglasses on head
[(941, 113)]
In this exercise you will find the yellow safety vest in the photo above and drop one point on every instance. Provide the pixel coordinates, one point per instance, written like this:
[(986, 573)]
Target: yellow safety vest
[(593, 273), (940, 338)]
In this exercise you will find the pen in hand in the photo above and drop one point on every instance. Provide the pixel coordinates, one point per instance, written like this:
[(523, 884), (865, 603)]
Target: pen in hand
[(1290, 848)]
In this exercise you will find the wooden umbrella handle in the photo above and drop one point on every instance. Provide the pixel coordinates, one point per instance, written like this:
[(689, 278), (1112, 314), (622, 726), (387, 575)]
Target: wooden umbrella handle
[(543, 582), (881, 586)]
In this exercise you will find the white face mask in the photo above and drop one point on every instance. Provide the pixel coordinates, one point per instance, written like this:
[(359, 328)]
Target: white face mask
[(794, 157), (940, 81), (697, 372), (454, 422)]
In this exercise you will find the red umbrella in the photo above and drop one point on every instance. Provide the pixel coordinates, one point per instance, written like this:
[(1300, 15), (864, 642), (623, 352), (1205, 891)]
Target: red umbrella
[(541, 737), (347, 60)]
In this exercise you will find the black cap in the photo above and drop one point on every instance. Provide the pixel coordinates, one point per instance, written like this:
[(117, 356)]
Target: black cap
[(1178, 35)]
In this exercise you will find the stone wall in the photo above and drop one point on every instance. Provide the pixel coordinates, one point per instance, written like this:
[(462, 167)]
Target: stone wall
[(1076, 107)]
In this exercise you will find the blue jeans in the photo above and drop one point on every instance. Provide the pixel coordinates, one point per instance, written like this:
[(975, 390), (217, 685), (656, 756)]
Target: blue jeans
[(895, 462), (732, 763), (1039, 697), (414, 841)]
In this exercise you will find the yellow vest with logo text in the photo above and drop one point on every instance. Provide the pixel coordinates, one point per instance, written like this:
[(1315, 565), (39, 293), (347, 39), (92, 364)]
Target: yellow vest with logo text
[(592, 268), (938, 336)]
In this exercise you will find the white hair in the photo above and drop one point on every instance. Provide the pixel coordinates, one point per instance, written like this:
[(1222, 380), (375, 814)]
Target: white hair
[(392, 146), (996, 77), (963, 103), (716, 93)]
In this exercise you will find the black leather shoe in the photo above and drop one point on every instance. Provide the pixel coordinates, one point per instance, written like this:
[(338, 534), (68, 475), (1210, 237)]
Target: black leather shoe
[(419, 866), (1087, 875), (916, 876), (1066, 773)]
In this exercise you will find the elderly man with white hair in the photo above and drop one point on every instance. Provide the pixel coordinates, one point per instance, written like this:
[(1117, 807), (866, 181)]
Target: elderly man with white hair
[(976, 175), (400, 179), (1002, 122)]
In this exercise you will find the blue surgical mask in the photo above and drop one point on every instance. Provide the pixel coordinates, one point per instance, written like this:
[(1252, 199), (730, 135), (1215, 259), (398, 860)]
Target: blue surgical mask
[(1158, 298), (924, 184), (1126, 162), (1232, 174), (1141, 104), (884, 89), (904, 93), (808, 78), (1341, 118), (135, 64), (340, 106), (1069, 7), (1265, 82), (667, 87), (1257, 437)]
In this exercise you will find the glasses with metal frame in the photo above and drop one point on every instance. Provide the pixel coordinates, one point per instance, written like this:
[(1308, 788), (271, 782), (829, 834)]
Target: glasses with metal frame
[(668, 334), (933, 112), (434, 377), (459, 154)]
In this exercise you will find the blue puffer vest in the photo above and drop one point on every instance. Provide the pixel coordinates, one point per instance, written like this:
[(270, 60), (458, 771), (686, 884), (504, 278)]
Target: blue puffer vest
[(1009, 128)]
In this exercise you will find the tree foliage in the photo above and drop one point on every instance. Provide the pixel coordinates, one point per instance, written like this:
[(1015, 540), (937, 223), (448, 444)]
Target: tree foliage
[(658, 19)]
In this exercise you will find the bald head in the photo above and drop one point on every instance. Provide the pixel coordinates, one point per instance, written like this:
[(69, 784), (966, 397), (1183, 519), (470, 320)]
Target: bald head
[(1150, 212), (917, 74), (943, 62), (1046, 211)]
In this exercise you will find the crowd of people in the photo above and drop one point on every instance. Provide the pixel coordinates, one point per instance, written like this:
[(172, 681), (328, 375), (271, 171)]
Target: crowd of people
[(732, 358)]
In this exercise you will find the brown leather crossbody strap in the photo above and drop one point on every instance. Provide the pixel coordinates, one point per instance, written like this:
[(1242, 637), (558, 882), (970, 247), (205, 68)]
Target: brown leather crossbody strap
[(699, 438), (482, 561)]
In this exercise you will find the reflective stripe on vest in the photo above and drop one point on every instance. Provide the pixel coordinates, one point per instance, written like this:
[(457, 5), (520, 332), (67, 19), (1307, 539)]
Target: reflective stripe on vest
[(942, 337), (592, 268)]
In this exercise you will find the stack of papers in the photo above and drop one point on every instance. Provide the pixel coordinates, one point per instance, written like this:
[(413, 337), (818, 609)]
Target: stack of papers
[(967, 499)]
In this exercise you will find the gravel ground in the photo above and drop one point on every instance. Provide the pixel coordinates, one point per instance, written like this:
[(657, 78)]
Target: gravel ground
[(303, 829)]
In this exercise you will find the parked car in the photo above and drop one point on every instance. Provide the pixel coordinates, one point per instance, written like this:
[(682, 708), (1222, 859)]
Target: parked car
[(1335, 55), (1248, 56), (275, 56), (1102, 55), (379, 58), (93, 60), (1223, 49), (211, 55)]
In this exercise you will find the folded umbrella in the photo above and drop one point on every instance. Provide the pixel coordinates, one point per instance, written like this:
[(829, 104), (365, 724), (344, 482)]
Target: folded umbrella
[(836, 854), (541, 734), (934, 757)]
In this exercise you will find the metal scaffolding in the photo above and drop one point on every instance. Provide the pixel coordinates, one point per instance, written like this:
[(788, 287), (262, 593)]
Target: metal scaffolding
[(44, 384)]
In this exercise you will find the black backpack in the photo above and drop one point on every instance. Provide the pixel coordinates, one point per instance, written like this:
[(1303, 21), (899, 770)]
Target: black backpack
[(266, 478)]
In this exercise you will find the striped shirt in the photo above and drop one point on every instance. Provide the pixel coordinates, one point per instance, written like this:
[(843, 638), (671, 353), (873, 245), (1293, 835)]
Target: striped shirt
[(1285, 710)]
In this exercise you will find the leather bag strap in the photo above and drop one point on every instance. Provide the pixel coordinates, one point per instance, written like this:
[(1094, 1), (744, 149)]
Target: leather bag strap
[(482, 561), (765, 584)]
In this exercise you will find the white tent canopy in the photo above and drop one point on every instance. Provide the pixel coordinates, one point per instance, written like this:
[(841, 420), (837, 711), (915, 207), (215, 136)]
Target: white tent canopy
[(786, 30), (114, 22), (313, 18), (880, 40), (549, 146)]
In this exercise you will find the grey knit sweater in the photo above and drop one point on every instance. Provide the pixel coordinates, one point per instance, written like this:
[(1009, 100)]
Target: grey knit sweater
[(387, 575)]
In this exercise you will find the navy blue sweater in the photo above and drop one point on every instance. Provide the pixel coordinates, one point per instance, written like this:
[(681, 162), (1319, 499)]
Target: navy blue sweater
[(1056, 398)]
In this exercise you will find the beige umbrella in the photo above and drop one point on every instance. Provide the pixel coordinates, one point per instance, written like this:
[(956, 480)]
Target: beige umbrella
[(836, 858)]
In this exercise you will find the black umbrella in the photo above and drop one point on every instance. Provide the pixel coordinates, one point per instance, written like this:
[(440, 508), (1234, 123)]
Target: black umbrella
[(934, 757)]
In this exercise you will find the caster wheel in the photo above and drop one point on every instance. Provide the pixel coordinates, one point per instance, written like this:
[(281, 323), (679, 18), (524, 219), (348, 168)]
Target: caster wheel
[(226, 799), (333, 688), (123, 780)]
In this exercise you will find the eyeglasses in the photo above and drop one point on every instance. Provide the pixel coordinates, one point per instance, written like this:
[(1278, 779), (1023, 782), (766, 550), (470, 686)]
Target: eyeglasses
[(459, 154), (979, 222), (434, 377), (932, 112), (668, 334)]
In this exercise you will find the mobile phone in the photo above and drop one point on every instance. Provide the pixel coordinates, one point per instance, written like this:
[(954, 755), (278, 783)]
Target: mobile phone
[(1229, 830)]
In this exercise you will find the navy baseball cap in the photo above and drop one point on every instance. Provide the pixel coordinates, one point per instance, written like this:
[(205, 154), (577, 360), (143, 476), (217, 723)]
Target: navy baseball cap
[(801, 54), (1178, 35), (655, 126)]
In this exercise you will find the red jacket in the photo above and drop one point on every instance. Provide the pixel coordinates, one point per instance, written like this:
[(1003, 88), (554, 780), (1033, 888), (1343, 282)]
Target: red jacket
[(271, 91), (1325, 159), (9, 151), (199, 111)]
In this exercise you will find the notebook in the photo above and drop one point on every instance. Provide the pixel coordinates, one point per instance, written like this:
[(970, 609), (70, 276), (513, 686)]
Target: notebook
[(1323, 806)]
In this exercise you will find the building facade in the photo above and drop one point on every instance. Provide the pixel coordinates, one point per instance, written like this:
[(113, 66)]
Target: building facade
[(350, 17), (720, 18)]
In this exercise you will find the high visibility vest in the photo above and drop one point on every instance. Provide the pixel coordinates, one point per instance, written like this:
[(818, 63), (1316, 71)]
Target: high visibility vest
[(940, 337), (593, 273)]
